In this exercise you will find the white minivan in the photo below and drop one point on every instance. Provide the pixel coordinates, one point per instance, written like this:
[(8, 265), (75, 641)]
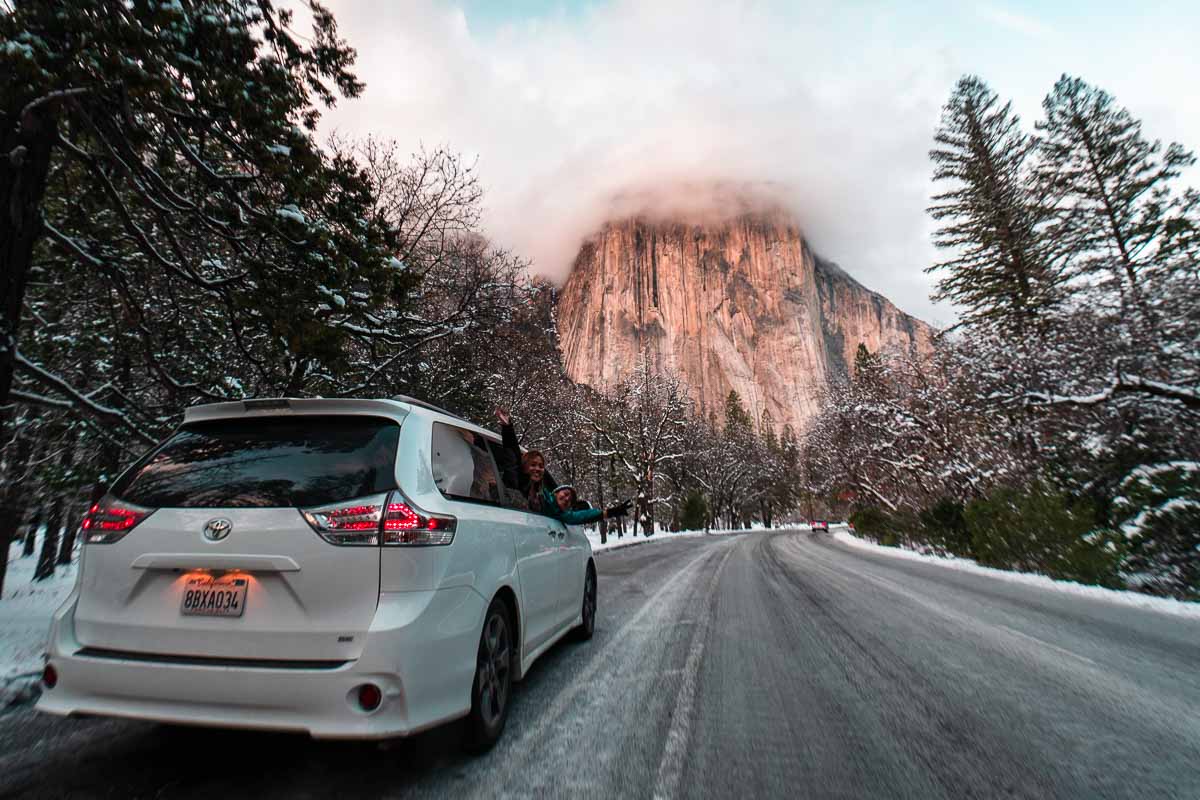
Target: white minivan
[(346, 568)]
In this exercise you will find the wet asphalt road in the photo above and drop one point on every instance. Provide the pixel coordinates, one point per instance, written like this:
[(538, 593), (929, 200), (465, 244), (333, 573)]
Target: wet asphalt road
[(764, 665)]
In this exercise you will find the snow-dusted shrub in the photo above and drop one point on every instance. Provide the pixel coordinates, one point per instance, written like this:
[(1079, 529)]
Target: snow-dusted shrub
[(1158, 512), (1042, 530), (890, 529), (694, 514), (944, 526)]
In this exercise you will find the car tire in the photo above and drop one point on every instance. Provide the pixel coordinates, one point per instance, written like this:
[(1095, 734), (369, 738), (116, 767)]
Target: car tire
[(587, 627), (491, 690)]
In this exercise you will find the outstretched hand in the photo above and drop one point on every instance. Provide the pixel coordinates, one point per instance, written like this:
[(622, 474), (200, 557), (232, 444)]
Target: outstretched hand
[(619, 510), (503, 415)]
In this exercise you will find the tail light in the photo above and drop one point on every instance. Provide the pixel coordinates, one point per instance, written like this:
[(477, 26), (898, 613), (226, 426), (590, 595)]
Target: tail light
[(359, 522), (404, 525), (110, 519), (351, 522)]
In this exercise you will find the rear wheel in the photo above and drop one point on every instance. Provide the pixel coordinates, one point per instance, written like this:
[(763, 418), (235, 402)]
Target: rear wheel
[(588, 626), (491, 690)]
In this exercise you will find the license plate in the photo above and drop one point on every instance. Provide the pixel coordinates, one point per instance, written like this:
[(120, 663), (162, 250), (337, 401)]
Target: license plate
[(219, 597)]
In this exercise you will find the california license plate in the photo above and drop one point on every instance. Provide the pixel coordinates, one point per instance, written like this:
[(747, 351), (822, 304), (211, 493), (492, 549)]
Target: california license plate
[(214, 597)]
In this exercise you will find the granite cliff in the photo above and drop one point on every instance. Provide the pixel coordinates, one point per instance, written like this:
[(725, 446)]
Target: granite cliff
[(741, 303)]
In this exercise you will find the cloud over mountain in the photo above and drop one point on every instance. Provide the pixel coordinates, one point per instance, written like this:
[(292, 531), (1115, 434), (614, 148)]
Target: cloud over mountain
[(833, 106)]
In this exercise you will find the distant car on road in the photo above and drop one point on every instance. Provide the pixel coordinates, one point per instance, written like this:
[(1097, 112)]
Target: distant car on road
[(348, 568), (819, 525)]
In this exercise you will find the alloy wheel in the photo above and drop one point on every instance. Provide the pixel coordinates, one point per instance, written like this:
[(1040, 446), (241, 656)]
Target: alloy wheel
[(492, 670), (589, 602)]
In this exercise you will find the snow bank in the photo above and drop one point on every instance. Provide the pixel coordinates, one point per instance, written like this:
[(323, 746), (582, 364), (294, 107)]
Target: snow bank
[(25, 612), (1164, 605), (660, 535)]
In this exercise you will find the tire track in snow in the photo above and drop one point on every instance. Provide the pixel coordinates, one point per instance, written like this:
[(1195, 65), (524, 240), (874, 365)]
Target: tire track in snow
[(670, 767), (516, 757)]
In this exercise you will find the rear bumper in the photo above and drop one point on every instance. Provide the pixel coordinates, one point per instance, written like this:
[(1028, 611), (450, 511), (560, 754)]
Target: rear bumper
[(420, 651)]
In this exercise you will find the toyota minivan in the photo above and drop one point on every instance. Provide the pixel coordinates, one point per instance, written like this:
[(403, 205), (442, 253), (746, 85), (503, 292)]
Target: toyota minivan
[(345, 568)]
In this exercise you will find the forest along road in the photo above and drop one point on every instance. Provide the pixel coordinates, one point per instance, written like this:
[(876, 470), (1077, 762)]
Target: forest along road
[(773, 664)]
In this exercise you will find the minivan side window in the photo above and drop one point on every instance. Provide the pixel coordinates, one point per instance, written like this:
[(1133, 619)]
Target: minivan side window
[(462, 465), (511, 494)]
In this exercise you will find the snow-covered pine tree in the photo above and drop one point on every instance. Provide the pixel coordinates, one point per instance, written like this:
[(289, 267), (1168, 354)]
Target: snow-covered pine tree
[(224, 253), (1117, 214), (1000, 266)]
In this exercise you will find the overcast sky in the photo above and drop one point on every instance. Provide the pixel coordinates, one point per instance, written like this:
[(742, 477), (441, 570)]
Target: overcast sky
[(565, 103)]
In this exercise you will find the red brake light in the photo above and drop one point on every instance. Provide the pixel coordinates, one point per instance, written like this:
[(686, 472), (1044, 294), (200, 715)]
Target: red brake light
[(110, 519), (404, 525), (353, 522)]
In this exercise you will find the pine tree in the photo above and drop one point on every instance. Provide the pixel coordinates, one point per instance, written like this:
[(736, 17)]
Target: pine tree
[(736, 415), (1116, 214), (694, 514), (161, 159), (866, 364), (1000, 267)]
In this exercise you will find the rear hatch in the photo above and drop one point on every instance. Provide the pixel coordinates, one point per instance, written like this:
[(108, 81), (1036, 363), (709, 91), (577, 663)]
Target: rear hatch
[(226, 501)]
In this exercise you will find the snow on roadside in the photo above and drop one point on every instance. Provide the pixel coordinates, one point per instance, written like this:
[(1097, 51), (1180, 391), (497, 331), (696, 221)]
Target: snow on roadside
[(1164, 605), (660, 535), (25, 612), (630, 539)]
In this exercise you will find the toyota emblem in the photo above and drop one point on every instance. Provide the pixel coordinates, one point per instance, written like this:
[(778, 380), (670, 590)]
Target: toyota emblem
[(217, 529)]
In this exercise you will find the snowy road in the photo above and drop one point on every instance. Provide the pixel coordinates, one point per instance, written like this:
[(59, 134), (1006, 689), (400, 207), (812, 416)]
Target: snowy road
[(779, 665)]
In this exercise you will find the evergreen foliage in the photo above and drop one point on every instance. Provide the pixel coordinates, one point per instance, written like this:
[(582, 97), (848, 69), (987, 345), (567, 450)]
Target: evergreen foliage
[(1040, 530), (1040, 433), (694, 513), (1000, 267), (1117, 217), (1158, 512)]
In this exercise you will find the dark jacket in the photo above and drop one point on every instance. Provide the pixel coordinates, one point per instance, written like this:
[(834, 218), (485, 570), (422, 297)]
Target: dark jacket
[(515, 477), (540, 498)]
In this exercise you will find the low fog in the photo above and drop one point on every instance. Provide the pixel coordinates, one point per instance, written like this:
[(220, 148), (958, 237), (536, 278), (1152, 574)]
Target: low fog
[(572, 111)]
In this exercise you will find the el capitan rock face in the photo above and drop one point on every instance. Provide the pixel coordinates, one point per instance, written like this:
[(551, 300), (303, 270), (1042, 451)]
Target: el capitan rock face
[(742, 304)]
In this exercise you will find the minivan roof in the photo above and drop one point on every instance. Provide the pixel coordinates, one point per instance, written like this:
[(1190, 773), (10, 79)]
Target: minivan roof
[(397, 407)]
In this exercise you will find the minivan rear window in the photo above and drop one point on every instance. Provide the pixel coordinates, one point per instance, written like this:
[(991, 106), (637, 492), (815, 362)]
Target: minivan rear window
[(267, 462)]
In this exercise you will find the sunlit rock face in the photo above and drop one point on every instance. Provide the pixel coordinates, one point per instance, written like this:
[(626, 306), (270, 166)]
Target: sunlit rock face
[(741, 303)]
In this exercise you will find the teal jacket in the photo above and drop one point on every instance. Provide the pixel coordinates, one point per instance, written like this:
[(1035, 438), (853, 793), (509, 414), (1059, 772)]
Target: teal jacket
[(581, 517)]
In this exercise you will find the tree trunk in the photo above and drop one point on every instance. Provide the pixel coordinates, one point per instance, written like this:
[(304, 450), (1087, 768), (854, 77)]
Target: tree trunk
[(31, 532), (19, 509), (25, 147), (67, 548), (644, 515), (45, 565), (22, 448)]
